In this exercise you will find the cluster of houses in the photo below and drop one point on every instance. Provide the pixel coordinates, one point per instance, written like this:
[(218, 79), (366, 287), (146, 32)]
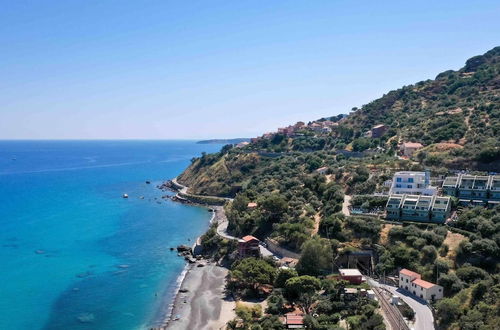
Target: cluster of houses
[(413, 198), (319, 126)]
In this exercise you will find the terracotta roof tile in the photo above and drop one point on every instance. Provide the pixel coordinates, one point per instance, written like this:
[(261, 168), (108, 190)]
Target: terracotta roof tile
[(408, 272), (423, 284)]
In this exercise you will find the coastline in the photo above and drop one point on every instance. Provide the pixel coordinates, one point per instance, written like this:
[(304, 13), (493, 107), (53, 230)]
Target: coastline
[(199, 300)]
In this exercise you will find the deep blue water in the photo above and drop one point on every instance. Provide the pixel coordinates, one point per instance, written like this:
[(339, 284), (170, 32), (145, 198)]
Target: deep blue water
[(73, 253)]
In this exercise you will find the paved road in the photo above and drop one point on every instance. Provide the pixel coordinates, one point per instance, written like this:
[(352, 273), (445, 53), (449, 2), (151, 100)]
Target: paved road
[(222, 222), (424, 320)]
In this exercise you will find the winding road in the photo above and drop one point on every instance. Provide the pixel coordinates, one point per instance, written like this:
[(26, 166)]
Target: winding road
[(222, 222)]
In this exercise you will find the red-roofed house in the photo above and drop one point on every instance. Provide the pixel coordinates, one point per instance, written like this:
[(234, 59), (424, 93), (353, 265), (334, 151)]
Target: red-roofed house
[(413, 283), (294, 321), (248, 246)]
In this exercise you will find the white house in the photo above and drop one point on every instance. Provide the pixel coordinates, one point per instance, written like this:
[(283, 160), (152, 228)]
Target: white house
[(412, 282), (412, 183)]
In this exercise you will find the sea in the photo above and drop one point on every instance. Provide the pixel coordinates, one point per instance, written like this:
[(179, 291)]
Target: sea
[(75, 254)]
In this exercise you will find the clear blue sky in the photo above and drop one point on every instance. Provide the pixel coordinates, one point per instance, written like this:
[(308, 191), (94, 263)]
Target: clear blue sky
[(206, 69)]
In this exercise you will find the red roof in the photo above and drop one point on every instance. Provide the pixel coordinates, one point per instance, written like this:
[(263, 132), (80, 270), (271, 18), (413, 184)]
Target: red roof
[(294, 319), (407, 272), (423, 284), (249, 238)]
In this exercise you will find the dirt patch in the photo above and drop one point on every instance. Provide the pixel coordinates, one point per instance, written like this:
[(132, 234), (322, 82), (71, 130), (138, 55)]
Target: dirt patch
[(384, 233), (453, 240), (317, 220), (440, 147)]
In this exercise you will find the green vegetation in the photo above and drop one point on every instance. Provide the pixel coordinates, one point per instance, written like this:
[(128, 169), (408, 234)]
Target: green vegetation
[(455, 116)]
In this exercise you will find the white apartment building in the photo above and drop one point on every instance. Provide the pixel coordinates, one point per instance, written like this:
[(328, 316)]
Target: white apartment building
[(412, 282), (412, 183)]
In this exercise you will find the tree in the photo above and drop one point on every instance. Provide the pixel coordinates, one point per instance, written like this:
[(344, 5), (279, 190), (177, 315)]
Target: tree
[(283, 275), (296, 286), (274, 205), (316, 257), (448, 310), (429, 254), (450, 283), (250, 272)]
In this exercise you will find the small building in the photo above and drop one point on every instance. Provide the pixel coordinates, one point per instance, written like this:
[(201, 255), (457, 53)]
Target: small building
[(322, 170), (378, 131), (352, 275), (370, 294), (409, 148), (326, 130), (412, 183), (252, 205), (412, 282), (350, 293), (248, 246), (294, 321)]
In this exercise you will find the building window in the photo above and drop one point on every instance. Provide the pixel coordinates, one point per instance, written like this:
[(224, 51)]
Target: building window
[(398, 179), (410, 180), (398, 186)]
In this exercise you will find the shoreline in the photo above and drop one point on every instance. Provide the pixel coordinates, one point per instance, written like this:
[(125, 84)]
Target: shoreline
[(198, 300)]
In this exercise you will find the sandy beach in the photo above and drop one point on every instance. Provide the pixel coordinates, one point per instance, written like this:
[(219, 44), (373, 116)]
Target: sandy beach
[(204, 305)]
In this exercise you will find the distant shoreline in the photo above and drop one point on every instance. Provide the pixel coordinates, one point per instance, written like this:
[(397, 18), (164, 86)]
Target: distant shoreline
[(224, 141)]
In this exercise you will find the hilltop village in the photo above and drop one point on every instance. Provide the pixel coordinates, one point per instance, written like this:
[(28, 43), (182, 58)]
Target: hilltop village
[(387, 217)]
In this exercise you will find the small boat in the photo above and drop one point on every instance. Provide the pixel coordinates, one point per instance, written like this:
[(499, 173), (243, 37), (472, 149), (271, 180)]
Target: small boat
[(125, 196)]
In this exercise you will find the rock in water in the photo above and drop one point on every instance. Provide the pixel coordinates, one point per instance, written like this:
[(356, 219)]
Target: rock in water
[(183, 248), (86, 318)]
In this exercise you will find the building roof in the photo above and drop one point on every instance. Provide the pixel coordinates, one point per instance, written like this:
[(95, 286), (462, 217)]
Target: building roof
[(324, 168), (423, 284), (251, 205), (350, 290), (412, 145), (350, 272), (408, 272), (249, 238), (295, 319), (379, 125)]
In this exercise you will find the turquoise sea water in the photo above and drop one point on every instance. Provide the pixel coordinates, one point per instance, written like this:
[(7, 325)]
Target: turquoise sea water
[(74, 254)]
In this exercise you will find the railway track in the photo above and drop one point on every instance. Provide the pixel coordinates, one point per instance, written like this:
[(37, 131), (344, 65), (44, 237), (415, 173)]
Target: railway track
[(393, 314)]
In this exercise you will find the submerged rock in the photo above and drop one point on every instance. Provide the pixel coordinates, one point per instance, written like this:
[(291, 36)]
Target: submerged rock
[(86, 318)]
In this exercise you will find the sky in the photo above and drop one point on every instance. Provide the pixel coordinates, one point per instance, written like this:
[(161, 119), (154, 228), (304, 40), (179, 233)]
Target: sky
[(218, 69)]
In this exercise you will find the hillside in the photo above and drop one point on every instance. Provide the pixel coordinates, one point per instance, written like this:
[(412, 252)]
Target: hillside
[(461, 107), (293, 186), (456, 117)]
